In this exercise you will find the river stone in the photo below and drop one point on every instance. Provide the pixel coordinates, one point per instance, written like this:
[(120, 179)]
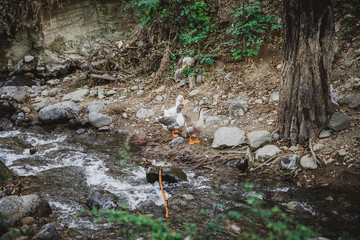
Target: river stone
[(99, 120), (59, 112), (228, 137), (47, 232), (210, 119), (77, 96), (176, 142), (20, 94), (258, 138), (168, 174), (308, 162), (238, 108), (339, 121), (266, 152), (95, 106), (144, 113), (5, 173), (102, 200), (17, 207), (44, 103), (289, 162), (325, 134), (353, 102)]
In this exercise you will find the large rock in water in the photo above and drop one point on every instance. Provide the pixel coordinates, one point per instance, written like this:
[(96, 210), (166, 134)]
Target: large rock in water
[(17, 207), (47, 232), (59, 112), (102, 200), (228, 137), (5, 173), (170, 175)]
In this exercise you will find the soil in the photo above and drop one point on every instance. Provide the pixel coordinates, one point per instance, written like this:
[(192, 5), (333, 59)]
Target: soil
[(253, 81)]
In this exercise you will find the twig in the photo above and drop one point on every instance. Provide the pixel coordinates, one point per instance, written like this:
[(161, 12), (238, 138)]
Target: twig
[(163, 193), (105, 77), (204, 162), (233, 152), (313, 153), (263, 163)]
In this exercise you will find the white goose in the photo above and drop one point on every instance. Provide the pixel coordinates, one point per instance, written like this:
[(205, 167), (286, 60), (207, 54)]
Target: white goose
[(172, 111), (172, 123)]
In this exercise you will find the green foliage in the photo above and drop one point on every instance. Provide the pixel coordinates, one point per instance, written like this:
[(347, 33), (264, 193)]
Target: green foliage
[(250, 29), (348, 12), (124, 151)]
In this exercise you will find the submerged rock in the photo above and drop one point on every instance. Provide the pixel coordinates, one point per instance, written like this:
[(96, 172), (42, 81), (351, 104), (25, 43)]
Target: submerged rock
[(170, 175), (102, 200)]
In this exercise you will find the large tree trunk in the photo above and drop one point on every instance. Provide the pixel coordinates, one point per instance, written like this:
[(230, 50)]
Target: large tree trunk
[(308, 49)]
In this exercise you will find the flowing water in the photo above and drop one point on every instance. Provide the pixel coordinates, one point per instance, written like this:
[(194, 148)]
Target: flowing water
[(66, 168)]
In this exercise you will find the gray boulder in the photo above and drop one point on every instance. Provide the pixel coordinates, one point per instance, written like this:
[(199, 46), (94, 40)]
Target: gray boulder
[(339, 121), (77, 96), (17, 207), (20, 93), (99, 120), (308, 162), (325, 134), (228, 137), (59, 112), (95, 106), (47, 232), (258, 138), (5, 173), (352, 102), (289, 162), (238, 108), (144, 113), (44, 103), (266, 152)]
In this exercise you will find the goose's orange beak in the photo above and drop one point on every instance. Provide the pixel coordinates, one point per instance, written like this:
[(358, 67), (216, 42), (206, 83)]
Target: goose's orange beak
[(182, 99)]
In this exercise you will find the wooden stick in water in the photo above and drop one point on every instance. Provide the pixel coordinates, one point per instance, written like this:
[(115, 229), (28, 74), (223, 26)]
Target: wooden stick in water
[(162, 190)]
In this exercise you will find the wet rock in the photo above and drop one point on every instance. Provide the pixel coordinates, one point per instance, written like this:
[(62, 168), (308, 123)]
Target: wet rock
[(352, 102), (102, 200), (77, 96), (339, 121), (95, 106), (44, 103), (289, 162), (258, 138), (5, 124), (266, 152), (176, 142), (19, 80), (238, 108), (17, 207), (47, 232), (144, 113), (308, 162), (5, 173), (99, 120), (325, 134), (169, 175), (228, 137), (59, 112)]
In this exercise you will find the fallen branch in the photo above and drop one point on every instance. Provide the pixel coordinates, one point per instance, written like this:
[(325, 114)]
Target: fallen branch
[(163, 193), (264, 163), (313, 154)]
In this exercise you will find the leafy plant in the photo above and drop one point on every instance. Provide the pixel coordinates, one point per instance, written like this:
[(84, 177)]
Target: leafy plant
[(250, 29)]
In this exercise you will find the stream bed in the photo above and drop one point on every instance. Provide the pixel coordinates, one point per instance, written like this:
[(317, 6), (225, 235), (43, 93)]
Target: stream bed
[(66, 168)]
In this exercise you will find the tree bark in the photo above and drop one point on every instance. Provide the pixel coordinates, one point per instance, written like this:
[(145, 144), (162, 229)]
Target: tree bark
[(308, 49)]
